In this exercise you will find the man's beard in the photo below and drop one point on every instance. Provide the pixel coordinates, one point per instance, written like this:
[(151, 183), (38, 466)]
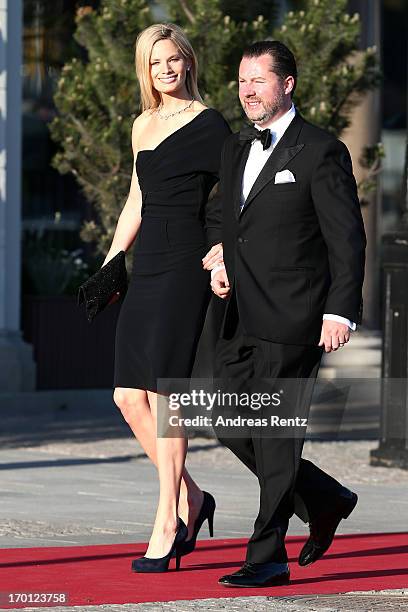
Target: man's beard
[(269, 111)]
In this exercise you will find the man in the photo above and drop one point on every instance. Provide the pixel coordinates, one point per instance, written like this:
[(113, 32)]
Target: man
[(294, 249)]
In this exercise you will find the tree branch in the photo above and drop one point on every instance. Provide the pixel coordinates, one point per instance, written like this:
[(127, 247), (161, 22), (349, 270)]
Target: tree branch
[(187, 11)]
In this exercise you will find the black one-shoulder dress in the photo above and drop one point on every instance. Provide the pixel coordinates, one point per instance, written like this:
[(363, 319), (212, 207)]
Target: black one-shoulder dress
[(163, 311)]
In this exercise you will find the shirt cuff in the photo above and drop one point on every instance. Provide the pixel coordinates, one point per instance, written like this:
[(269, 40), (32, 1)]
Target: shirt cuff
[(333, 317), (217, 268)]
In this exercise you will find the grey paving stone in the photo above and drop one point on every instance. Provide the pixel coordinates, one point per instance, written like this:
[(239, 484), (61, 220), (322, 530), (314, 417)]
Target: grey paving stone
[(106, 491)]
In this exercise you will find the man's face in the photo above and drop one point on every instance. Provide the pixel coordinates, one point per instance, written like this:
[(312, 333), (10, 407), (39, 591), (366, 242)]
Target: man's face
[(263, 94)]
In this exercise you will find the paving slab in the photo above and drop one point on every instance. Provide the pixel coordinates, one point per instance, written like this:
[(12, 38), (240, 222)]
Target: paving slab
[(104, 492)]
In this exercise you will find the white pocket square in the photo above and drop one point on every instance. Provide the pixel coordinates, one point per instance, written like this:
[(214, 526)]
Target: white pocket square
[(285, 176)]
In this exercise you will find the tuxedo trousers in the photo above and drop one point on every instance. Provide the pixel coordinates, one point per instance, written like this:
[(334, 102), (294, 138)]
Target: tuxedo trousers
[(248, 366)]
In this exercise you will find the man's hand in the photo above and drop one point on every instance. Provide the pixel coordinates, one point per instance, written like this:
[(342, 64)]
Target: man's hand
[(220, 284), (334, 335), (213, 257)]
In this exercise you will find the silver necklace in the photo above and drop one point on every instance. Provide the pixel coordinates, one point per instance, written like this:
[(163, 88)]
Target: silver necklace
[(175, 113)]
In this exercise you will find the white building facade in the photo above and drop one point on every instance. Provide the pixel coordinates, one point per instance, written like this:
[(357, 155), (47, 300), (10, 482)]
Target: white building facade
[(17, 368)]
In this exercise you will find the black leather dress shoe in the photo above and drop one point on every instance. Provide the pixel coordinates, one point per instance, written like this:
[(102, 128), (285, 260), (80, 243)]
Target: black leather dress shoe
[(323, 528), (258, 575)]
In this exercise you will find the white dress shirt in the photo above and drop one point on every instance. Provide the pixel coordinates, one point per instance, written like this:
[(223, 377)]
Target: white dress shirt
[(257, 158)]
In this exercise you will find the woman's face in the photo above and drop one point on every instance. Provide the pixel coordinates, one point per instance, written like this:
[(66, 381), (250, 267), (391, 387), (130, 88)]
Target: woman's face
[(167, 67)]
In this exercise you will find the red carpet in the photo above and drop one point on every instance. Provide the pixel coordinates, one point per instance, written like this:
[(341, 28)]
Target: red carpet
[(101, 574)]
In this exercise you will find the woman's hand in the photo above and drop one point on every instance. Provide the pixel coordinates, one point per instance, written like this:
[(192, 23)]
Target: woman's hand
[(213, 257), (220, 284)]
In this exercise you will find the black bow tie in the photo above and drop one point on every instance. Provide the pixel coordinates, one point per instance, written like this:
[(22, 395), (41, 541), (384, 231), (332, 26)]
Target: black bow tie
[(251, 133)]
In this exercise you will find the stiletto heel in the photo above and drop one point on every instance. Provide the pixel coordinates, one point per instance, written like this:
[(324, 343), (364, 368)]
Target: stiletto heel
[(211, 523), (206, 513), (178, 558), (148, 565)]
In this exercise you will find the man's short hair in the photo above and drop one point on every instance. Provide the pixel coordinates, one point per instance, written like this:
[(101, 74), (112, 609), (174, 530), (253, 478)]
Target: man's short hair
[(283, 60)]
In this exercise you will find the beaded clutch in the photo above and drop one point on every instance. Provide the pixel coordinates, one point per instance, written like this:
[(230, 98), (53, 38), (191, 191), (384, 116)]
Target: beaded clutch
[(104, 287)]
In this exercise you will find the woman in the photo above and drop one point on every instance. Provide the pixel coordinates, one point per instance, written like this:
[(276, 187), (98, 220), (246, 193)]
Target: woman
[(177, 143)]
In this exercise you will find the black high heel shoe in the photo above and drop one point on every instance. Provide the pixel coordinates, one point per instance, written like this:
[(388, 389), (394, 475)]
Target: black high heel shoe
[(148, 565), (206, 513)]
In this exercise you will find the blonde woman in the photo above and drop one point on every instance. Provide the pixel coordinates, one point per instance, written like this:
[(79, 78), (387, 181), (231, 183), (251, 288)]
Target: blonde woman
[(177, 144)]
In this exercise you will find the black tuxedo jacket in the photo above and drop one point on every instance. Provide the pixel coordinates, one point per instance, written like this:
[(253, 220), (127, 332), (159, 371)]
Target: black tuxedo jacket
[(297, 250)]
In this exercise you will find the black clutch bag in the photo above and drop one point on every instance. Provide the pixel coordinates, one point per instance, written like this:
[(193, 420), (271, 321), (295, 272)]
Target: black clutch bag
[(106, 286)]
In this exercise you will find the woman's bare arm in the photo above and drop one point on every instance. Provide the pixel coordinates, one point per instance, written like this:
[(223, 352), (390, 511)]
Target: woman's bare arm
[(129, 219)]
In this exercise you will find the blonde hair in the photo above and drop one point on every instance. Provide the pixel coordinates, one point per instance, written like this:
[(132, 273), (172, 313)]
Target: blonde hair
[(150, 97)]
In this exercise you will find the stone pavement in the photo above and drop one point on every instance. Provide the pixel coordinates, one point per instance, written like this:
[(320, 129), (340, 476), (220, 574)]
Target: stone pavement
[(106, 491)]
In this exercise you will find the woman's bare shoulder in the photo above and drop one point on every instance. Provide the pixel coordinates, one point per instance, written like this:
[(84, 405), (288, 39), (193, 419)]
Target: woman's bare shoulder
[(141, 120), (138, 127)]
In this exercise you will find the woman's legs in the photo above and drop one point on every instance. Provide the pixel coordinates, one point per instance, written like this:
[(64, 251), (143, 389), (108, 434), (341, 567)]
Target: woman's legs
[(138, 408), (170, 456)]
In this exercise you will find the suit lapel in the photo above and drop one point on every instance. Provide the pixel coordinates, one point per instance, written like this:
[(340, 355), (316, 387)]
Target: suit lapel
[(284, 151), (238, 164)]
